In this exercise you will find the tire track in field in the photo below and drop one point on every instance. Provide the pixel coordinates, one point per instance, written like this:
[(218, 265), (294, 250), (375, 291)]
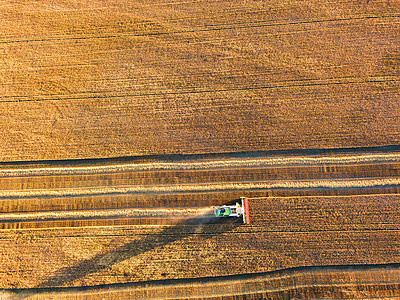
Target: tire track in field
[(211, 164), (229, 27), (377, 79), (201, 188), (279, 84)]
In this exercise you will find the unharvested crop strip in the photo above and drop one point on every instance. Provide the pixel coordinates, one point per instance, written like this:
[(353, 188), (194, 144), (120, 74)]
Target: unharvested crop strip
[(201, 188)]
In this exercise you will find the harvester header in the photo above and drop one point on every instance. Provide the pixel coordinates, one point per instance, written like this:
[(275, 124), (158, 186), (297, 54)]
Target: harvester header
[(239, 210)]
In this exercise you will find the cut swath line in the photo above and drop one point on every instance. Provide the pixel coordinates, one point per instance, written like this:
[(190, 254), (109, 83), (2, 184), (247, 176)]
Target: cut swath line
[(202, 188), (209, 165)]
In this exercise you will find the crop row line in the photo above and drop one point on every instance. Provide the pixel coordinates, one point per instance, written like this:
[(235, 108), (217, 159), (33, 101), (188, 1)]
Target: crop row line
[(238, 75), (378, 79), (229, 27)]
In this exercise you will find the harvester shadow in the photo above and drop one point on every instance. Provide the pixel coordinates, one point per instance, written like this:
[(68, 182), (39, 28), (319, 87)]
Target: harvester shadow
[(170, 234)]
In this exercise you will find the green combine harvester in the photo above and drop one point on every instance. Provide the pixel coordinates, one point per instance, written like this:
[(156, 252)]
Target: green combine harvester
[(238, 210)]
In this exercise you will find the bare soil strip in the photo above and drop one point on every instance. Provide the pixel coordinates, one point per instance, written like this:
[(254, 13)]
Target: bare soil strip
[(356, 282)]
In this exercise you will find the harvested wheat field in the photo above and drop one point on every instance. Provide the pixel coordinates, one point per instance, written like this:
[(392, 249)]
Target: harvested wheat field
[(305, 282), (123, 123), (146, 229), (88, 79)]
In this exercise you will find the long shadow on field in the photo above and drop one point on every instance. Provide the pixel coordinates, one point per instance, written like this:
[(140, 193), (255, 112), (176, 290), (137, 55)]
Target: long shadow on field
[(190, 157), (169, 235)]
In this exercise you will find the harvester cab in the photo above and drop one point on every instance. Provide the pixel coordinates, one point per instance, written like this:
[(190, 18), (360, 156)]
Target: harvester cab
[(238, 210)]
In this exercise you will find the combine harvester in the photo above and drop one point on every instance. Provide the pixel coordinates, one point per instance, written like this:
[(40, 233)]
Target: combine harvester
[(238, 210)]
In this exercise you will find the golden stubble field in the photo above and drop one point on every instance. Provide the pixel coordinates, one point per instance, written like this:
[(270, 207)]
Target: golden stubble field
[(121, 225), (285, 232), (98, 79)]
